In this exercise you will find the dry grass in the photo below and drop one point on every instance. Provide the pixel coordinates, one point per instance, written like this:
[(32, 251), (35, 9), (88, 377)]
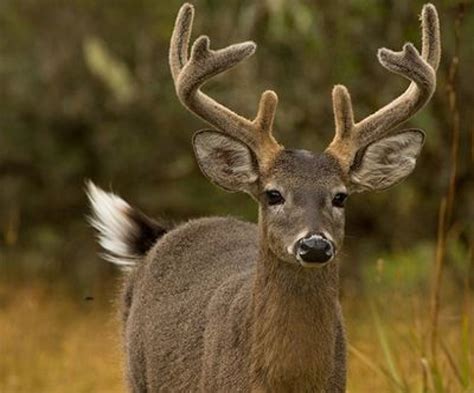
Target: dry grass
[(52, 342), (389, 346)]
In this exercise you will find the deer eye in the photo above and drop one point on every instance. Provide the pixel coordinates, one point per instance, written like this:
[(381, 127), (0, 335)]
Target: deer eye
[(274, 197), (339, 199)]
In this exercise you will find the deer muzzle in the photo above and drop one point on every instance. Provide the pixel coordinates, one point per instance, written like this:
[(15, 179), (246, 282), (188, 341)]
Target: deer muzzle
[(314, 250)]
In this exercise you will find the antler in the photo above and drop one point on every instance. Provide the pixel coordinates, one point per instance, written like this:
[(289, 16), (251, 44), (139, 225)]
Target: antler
[(419, 69), (191, 72)]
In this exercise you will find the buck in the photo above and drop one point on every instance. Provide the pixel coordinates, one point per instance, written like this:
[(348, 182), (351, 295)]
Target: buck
[(221, 305)]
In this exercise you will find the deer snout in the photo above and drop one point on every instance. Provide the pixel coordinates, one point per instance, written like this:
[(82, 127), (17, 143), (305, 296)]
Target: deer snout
[(313, 250)]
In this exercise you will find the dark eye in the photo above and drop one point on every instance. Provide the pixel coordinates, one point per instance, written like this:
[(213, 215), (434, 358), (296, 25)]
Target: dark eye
[(339, 199), (274, 197)]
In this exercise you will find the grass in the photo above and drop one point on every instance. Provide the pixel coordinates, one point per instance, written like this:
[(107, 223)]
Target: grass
[(390, 349), (53, 341)]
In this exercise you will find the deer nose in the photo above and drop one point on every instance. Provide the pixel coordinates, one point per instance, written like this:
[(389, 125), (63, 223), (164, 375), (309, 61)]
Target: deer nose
[(314, 249)]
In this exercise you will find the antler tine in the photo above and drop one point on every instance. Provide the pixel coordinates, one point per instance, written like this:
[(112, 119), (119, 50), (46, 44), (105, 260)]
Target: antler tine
[(266, 111), (178, 55), (419, 69), (343, 114), (190, 73), (431, 47)]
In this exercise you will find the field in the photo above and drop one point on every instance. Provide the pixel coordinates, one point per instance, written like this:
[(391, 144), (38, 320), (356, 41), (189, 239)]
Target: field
[(53, 340)]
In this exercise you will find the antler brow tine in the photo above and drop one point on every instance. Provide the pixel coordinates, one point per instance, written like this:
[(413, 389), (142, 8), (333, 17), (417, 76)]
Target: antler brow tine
[(266, 110), (419, 69), (191, 72), (342, 106)]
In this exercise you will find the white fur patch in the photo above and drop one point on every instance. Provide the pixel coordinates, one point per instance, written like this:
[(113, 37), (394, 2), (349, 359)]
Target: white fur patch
[(113, 224)]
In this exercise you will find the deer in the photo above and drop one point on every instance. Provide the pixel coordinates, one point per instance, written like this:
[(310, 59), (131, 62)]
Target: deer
[(217, 304)]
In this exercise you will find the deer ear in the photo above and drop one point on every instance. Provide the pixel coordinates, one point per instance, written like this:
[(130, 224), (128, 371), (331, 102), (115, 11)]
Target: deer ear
[(226, 161), (386, 162)]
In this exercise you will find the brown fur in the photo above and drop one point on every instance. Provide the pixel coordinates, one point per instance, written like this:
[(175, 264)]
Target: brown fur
[(220, 305), (216, 309)]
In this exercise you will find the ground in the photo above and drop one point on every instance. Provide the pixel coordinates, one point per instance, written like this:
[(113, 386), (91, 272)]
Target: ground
[(53, 341)]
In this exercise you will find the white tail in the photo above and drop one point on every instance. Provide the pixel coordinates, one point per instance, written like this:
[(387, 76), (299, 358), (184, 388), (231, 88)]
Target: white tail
[(112, 218)]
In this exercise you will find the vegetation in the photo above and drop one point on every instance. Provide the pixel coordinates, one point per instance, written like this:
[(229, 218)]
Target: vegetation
[(85, 92), (56, 337)]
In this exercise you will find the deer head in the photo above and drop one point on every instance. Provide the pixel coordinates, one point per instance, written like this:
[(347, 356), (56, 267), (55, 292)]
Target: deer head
[(301, 194)]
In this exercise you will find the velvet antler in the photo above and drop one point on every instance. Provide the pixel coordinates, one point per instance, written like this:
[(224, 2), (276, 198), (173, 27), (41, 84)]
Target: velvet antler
[(419, 69), (190, 72)]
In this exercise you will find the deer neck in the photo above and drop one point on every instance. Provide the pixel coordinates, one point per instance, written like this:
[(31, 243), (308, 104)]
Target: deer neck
[(295, 312)]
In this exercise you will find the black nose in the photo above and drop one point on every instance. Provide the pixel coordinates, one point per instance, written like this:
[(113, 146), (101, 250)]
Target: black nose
[(315, 249)]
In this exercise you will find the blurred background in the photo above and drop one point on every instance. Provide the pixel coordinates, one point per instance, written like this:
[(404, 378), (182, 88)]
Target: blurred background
[(86, 93)]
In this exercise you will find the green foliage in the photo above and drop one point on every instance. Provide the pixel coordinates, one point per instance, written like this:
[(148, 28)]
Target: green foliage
[(85, 92), (109, 69), (406, 270)]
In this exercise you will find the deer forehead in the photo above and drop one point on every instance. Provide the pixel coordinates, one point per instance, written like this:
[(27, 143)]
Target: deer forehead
[(301, 169)]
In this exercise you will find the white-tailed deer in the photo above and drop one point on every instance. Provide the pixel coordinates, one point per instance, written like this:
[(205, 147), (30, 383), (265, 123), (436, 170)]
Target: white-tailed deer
[(221, 305)]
